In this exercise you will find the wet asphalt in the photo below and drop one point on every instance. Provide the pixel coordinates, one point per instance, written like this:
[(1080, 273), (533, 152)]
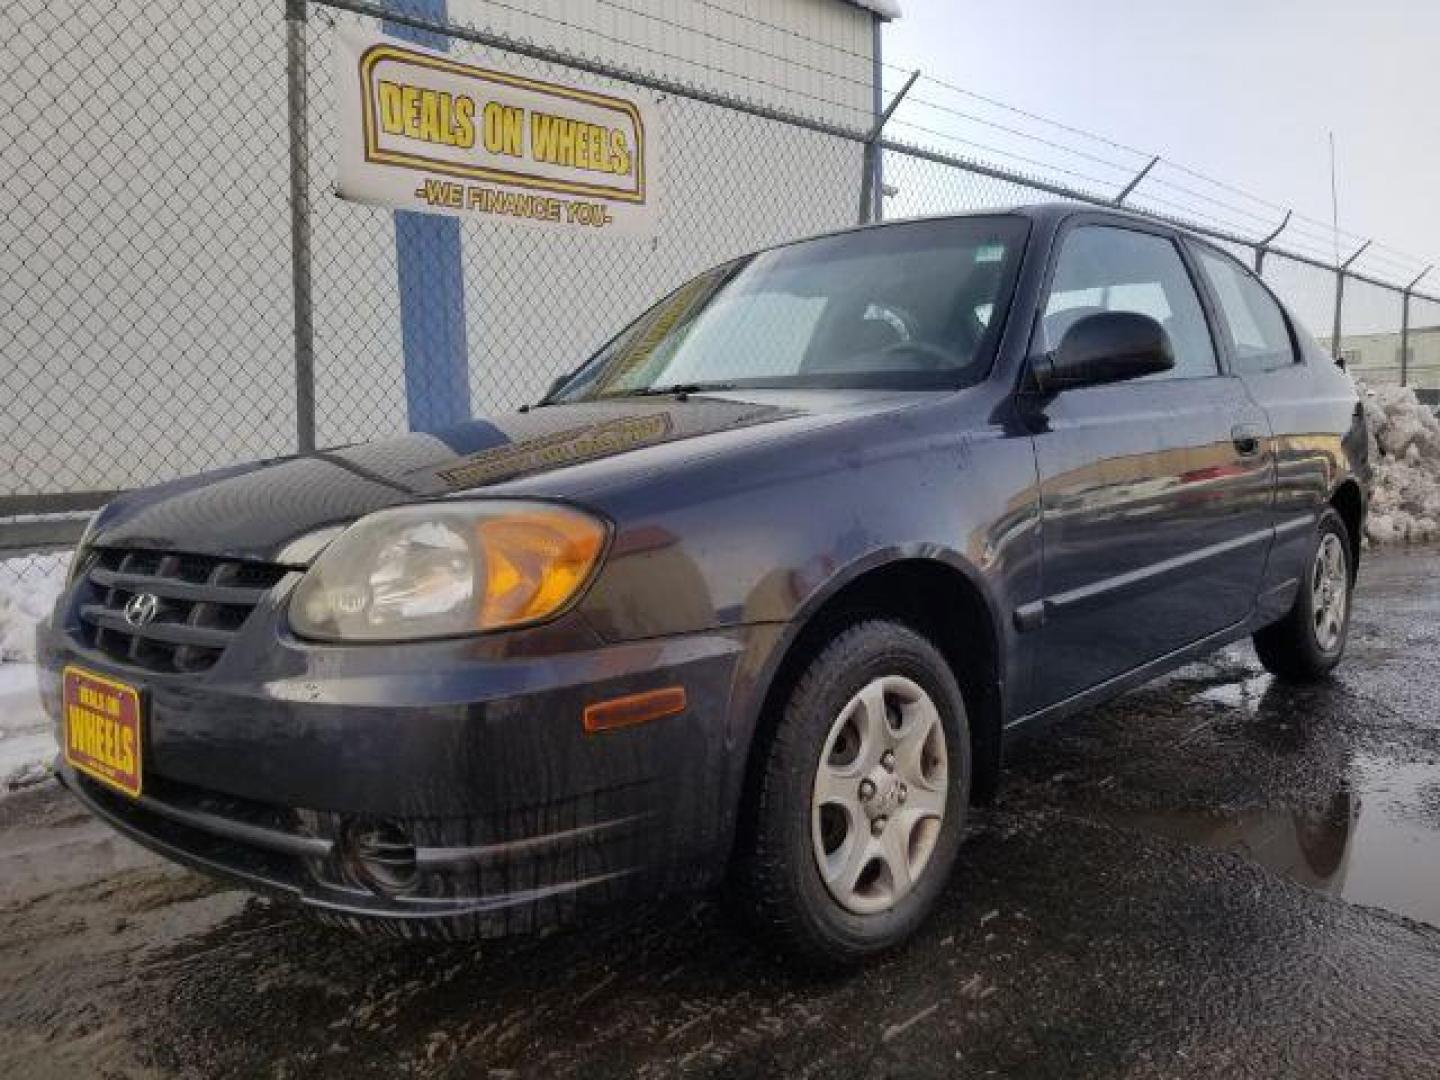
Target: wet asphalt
[(1216, 875)]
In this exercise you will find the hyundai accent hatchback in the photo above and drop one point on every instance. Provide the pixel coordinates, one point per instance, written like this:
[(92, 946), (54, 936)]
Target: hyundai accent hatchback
[(758, 593)]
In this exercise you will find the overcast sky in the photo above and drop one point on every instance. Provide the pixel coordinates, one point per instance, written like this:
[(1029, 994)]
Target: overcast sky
[(1243, 90)]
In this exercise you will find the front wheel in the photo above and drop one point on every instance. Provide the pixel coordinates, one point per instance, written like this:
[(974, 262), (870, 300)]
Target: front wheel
[(1308, 642), (861, 804)]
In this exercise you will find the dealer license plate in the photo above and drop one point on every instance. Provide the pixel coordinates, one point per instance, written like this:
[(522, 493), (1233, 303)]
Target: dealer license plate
[(102, 729)]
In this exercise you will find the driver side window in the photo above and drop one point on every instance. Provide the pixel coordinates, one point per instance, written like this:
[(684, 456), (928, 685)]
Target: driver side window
[(1103, 268)]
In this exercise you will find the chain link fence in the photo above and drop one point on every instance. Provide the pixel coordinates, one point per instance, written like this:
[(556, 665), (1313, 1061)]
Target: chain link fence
[(165, 164), (146, 318), (1422, 347), (1309, 290), (524, 321)]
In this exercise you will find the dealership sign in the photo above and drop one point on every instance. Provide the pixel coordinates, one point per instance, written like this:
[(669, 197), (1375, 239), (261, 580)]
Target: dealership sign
[(422, 130)]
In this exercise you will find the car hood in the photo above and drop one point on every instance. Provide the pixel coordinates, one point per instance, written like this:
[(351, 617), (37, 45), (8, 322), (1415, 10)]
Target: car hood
[(256, 511)]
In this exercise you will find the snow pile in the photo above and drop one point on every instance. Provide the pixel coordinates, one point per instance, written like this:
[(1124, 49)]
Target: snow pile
[(28, 588), (1405, 460), (27, 745)]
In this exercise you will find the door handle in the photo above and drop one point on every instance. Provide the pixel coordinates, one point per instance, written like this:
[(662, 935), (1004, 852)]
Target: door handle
[(1247, 439)]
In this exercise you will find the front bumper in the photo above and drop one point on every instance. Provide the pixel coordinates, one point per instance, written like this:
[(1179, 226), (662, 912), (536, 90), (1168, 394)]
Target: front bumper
[(546, 877), (509, 816)]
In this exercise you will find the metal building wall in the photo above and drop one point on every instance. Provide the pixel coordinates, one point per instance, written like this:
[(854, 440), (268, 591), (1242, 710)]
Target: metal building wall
[(147, 332), (818, 62), (808, 57)]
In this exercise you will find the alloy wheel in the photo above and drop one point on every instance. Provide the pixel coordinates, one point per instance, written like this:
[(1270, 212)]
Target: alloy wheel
[(1330, 592)]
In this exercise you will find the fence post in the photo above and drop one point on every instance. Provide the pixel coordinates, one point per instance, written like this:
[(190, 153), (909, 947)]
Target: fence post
[(877, 107), (297, 105), (869, 194), (1339, 304), (430, 276), (1405, 326), (1340, 299), (1263, 246), (1135, 181), (1404, 336)]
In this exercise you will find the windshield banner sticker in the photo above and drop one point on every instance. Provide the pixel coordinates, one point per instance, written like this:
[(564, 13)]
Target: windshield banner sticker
[(423, 130)]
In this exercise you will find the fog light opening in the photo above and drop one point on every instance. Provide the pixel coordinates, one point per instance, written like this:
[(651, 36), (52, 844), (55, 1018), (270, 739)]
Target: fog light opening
[(380, 856)]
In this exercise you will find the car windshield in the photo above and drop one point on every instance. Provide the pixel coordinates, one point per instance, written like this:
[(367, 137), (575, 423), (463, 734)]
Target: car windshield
[(914, 305)]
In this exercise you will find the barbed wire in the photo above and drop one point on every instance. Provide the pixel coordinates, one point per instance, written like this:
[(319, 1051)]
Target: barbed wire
[(1265, 223), (1185, 215), (1315, 234), (1049, 167), (1307, 232), (1039, 139), (1016, 110)]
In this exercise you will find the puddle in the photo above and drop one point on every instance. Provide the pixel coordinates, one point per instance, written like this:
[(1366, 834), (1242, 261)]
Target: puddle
[(1374, 841)]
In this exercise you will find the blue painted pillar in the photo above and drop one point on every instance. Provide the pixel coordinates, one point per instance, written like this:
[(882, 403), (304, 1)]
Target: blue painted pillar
[(432, 283)]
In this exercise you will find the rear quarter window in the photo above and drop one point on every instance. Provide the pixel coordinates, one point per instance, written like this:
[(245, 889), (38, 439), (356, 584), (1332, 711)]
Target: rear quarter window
[(1258, 330)]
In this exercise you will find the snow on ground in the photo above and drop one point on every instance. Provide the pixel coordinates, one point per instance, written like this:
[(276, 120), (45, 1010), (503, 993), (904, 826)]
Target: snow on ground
[(28, 588), (1405, 457), (26, 743)]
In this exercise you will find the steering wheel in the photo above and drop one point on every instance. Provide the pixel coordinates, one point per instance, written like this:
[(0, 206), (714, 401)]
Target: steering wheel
[(939, 358)]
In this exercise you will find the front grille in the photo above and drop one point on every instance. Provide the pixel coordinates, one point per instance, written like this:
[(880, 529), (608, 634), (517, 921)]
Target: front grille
[(202, 602)]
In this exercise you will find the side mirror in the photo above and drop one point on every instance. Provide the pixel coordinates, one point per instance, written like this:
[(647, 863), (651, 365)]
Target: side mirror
[(1106, 347)]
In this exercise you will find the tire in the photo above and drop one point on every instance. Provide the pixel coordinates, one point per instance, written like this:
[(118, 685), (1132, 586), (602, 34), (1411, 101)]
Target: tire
[(803, 810), (1309, 641)]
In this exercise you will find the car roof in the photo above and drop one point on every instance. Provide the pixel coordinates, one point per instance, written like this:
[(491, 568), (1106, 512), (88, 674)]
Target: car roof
[(1049, 213), (1042, 213)]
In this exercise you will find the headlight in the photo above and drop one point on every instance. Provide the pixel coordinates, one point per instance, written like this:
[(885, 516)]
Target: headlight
[(444, 569)]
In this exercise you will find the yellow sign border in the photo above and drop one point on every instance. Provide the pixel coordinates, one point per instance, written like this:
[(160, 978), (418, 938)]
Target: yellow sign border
[(373, 153), (108, 781)]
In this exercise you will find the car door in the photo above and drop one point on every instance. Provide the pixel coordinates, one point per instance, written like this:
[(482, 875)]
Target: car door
[(1306, 413), (1154, 492)]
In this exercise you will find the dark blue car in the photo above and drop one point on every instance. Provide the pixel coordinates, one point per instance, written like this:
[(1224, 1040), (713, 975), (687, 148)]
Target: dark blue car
[(760, 592)]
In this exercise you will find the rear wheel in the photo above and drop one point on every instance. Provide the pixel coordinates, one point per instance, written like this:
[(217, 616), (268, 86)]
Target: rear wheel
[(861, 805), (1309, 641)]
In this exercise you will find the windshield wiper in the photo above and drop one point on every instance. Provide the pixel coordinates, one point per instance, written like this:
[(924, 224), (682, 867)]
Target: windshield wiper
[(680, 390)]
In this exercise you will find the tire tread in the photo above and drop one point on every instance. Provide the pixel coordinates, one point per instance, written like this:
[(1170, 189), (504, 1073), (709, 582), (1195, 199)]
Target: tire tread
[(762, 875), (1287, 648)]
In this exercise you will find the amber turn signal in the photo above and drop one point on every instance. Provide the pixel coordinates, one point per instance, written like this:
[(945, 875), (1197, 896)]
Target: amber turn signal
[(536, 559), (634, 709)]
